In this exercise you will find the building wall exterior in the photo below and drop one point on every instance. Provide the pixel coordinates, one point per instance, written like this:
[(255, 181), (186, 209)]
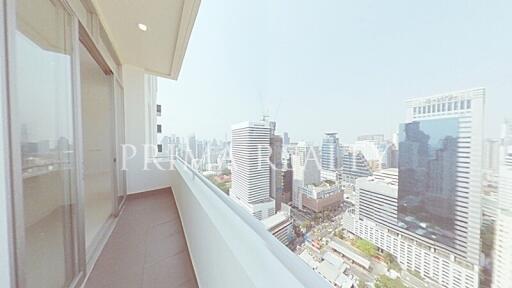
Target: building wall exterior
[(377, 200), (321, 204), (321, 197)]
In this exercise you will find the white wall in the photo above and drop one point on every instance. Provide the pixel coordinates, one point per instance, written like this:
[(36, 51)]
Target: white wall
[(137, 178)]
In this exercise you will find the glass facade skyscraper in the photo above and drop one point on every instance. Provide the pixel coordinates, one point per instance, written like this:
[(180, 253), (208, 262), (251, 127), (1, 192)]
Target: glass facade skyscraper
[(440, 171), (427, 186)]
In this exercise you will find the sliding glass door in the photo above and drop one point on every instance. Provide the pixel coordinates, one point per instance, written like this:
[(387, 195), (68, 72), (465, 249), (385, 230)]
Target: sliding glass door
[(99, 147), (44, 138), (66, 127)]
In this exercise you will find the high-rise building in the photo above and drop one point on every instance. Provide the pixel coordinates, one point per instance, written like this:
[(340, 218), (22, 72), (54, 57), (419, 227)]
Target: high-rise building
[(331, 160), (192, 147), (330, 152), (440, 177), (286, 138), (490, 182), (287, 180), (276, 168), (200, 148), (503, 235), (391, 155), (250, 172)]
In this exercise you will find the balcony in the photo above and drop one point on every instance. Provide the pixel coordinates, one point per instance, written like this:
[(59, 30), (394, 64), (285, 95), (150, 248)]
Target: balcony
[(187, 236)]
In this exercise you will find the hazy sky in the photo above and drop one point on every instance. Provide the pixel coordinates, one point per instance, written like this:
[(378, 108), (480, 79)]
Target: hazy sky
[(344, 66)]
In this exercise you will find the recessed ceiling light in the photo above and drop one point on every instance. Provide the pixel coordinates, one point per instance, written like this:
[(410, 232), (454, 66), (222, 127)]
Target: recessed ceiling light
[(143, 27)]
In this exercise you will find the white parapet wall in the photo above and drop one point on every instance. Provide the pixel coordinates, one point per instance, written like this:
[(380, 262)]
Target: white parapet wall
[(228, 246)]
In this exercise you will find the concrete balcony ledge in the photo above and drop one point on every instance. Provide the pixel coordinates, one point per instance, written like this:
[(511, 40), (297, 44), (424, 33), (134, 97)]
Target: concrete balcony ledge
[(228, 247)]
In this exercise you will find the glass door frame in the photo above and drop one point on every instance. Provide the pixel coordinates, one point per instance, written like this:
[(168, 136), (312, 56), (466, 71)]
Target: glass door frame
[(119, 132), (5, 138)]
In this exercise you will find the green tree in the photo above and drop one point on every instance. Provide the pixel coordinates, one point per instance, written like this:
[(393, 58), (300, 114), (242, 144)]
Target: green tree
[(391, 262), (361, 284), (386, 282), (366, 247), (339, 233)]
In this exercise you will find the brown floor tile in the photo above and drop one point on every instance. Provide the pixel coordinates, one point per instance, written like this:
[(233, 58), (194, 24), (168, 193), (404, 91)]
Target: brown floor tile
[(147, 247), (170, 272)]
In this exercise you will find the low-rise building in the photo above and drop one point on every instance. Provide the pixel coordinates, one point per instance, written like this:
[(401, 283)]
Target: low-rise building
[(281, 226), (320, 197)]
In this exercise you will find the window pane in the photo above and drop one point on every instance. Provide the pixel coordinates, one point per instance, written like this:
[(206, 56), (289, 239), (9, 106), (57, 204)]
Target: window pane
[(44, 109), (98, 139)]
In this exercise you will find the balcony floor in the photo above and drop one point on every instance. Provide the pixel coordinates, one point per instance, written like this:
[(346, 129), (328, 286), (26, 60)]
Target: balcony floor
[(147, 247)]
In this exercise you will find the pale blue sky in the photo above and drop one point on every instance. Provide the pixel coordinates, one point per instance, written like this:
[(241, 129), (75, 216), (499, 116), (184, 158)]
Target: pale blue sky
[(344, 66)]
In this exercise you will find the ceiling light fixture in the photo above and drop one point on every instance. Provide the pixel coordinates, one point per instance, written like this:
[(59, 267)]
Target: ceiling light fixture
[(143, 27)]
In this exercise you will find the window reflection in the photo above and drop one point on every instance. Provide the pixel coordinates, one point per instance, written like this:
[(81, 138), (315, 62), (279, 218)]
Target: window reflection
[(427, 168)]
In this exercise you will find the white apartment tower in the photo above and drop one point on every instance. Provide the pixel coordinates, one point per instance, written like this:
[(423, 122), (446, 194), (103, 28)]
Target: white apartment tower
[(250, 173)]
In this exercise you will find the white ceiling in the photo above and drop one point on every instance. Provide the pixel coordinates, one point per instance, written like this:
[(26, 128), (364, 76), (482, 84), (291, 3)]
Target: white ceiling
[(159, 50)]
